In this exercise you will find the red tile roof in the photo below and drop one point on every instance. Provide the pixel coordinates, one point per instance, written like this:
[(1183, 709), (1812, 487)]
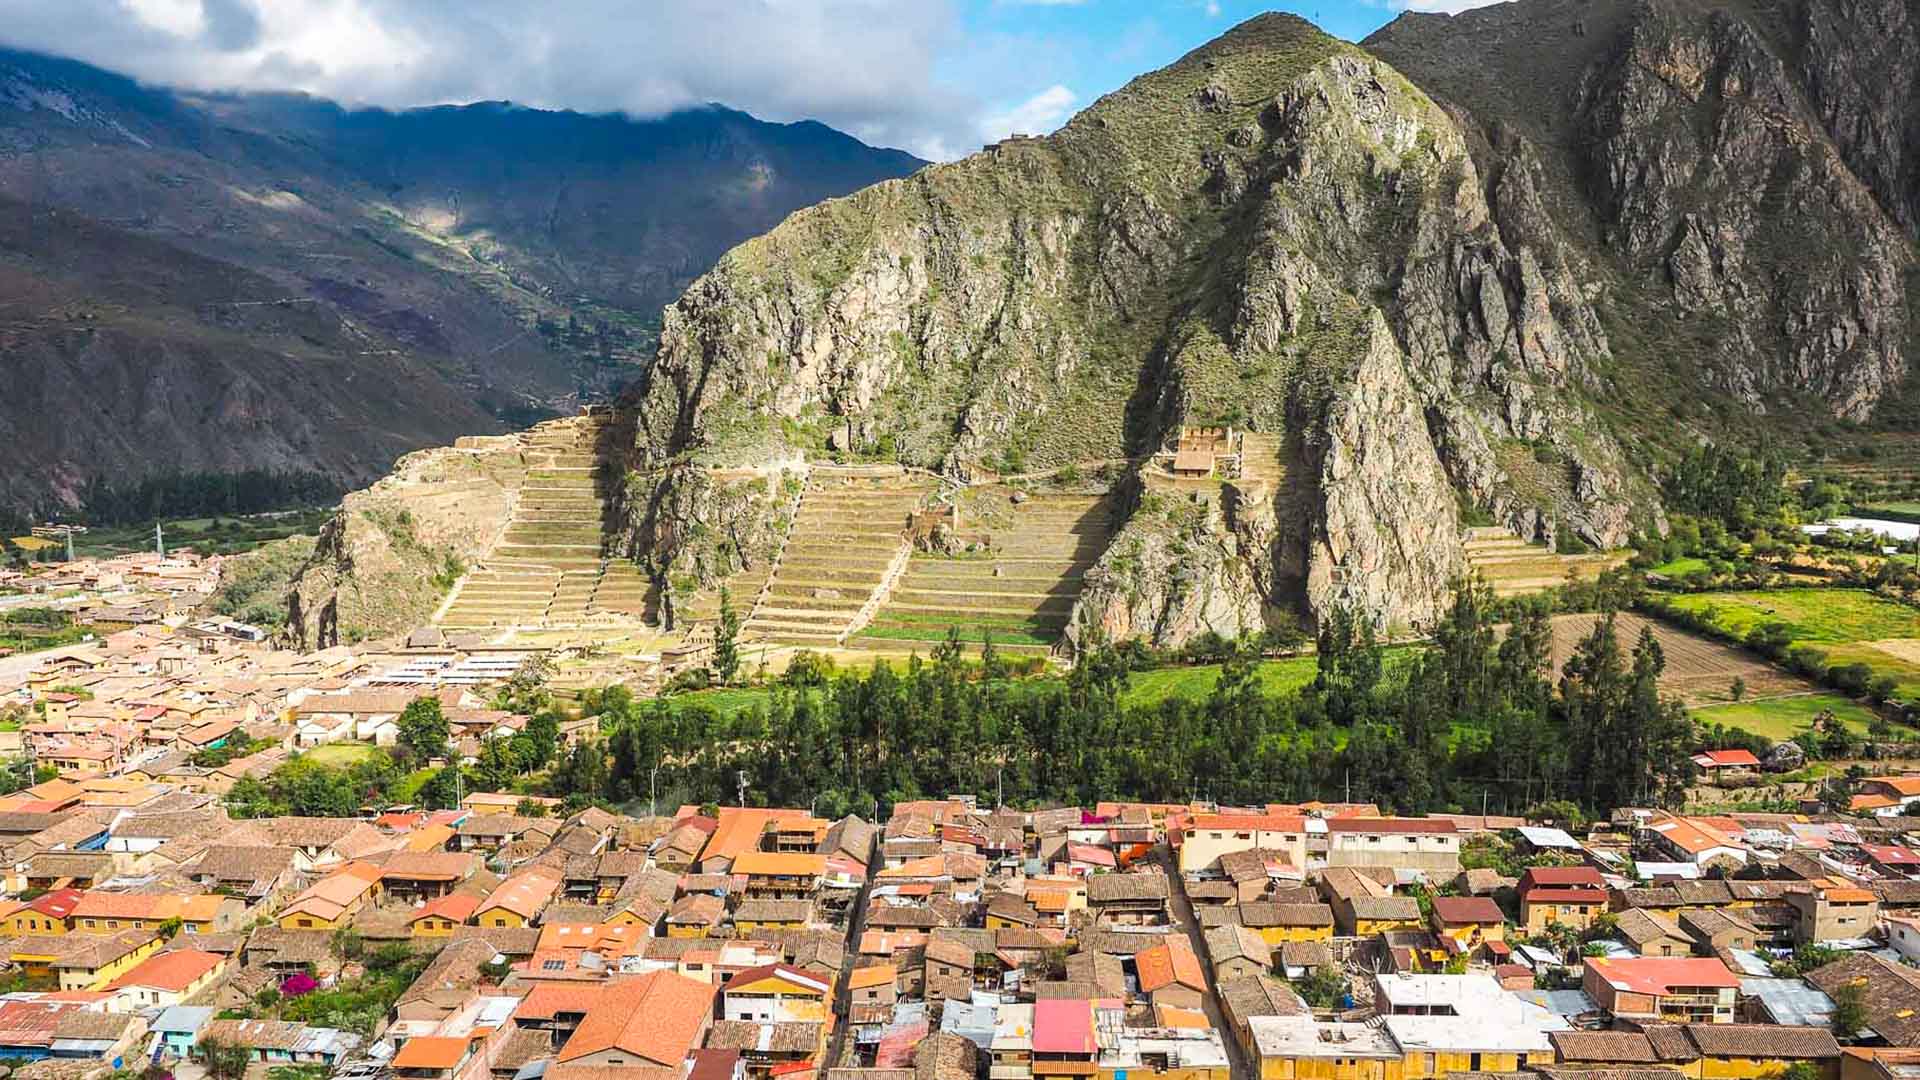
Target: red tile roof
[(1660, 974), (1726, 758), (1467, 909), (174, 971), (430, 1052), (1391, 825)]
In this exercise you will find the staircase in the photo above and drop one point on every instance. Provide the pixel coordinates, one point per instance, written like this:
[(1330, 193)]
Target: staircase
[(850, 528), (1020, 594), (1514, 567), (547, 567), (1260, 459)]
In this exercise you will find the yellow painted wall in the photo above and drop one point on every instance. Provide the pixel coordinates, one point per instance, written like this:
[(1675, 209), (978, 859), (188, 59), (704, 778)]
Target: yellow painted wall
[(786, 924), (1330, 1069), (434, 926), (1280, 935), (686, 931), (32, 922), (307, 920), (502, 917), (1442, 1064), (1751, 1068), (1366, 927), (79, 979)]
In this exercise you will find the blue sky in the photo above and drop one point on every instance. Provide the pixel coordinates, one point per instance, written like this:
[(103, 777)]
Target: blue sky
[(1035, 62), (937, 77)]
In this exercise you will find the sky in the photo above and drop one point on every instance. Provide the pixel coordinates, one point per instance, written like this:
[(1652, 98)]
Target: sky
[(934, 77)]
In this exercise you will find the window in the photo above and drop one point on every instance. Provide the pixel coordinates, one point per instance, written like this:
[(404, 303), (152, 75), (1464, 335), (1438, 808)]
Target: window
[(557, 965), (91, 924), (306, 922)]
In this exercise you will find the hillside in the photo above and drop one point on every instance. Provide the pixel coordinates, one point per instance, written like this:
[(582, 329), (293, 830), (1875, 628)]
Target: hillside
[(349, 285), (1457, 295)]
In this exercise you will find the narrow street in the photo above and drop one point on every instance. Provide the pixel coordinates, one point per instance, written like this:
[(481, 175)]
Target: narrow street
[(1183, 915), (843, 996)]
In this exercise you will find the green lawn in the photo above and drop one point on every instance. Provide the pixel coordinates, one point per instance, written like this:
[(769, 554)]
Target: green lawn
[(341, 753), (724, 702), (1814, 616), (1681, 567), (1782, 718), (1150, 688)]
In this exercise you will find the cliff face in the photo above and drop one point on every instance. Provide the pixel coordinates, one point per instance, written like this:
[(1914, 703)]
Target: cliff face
[(1277, 232), (1743, 175)]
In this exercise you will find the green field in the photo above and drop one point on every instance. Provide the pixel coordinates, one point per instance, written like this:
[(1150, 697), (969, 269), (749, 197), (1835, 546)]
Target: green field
[(1843, 623), (341, 753), (208, 536), (1150, 688), (1892, 511), (1782, 718), (1681, 567)]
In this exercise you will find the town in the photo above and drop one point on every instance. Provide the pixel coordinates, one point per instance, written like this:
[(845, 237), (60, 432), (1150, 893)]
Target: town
[(508, 935)]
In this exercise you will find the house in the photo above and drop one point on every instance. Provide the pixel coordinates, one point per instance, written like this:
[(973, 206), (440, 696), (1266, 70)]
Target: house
[(95, 1036), (1730, 1051), (1887, 992), (695, 915), (780, 875), (494, 802), (949, 969), (1429, 844), (519, 899), (279, 1042), (1715, 765), (251, 873), (1209, 836), (653, 1021), (1170, 974), (1695, 840), (1652, 935), (1064, 1043), (1469, 1023), (431, 1057), (1465, 923), (83, 961), (1713, 929), (1278, 923), (1237, 952), (169, 978), (1887, 796), (757, 915), (333, 901), (1138, 898), (1568, 895), (776, 994), (1830, 911), (47, 914), (491, 832), (1367, 915), (1010, 1053), (1903, 937), (439, 918), (1302, 1048), (177, 1028), (425, 875), (872, 985), (1892, 860), (1681, 990)]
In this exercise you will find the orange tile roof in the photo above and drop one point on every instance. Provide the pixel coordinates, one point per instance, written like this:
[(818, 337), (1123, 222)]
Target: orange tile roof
[(456, 906), (430, 1052), (524, 894), (657, 1016), (428, 838), (740, 830), (1660, 974), (1265, 822), (548, 999), (105, 905), (1168, 963), (174, 971), (872, 975)]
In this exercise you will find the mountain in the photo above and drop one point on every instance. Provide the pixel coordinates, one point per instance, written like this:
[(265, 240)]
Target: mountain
[(1496, 268), (209, 282), (1473, 284)]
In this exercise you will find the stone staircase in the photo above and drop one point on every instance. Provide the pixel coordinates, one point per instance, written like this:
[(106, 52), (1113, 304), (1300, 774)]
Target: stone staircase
[(1260, 459), (547, 566), (849, 530), (1514, 567), (1020, 594)]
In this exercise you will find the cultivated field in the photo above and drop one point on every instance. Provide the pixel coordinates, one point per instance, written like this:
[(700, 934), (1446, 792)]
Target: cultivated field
[(1849, 625), (1698, 671), (1781, 718)]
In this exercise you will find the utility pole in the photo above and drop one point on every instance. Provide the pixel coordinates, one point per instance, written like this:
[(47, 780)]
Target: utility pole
[(652, 775), (159, 544), (740, 784), (69, 532), (1349, 782), (999, 787)]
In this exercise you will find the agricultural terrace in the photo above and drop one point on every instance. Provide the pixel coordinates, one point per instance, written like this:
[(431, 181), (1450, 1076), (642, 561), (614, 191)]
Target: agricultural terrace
[(1852, 626), (1699, 671)]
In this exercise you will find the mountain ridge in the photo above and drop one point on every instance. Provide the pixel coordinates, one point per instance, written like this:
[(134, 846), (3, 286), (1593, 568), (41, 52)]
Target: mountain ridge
[(507, 262)]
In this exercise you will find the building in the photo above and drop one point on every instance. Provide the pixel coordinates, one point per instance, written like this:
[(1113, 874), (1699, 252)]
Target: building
[(775, 994), (440, 918), (1138, 898), (1465, 923), (1831, 911), (280, 1043), (520, 899), (1210, 836), (1568, 895), (1170, 974), (1704, 1051), (1447, 1024), (1677, 990), (780, 875), (1429, 844), (1302, 1048), (333, 901), (170, 978)]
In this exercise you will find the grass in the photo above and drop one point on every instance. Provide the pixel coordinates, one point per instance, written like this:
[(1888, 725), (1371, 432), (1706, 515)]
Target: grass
[(1782, 718), (934, 635), (726, 702), (229, 535), (341, 754), (1681, 567), (1813, 616), (1150, 688)]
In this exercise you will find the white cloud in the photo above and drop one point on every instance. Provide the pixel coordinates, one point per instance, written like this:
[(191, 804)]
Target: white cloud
[(1038, 115), (864, 66)]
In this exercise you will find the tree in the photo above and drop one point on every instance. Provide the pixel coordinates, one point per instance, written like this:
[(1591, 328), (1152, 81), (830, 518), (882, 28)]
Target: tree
[(442, 791), (423, 728), (528, 807), (726, 640), (224, 1060), (1849, 1010), (1739, 688)]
